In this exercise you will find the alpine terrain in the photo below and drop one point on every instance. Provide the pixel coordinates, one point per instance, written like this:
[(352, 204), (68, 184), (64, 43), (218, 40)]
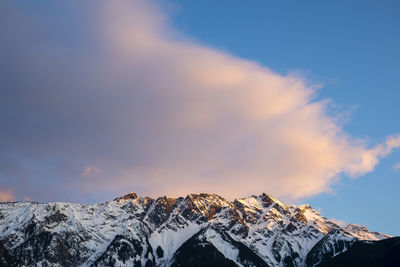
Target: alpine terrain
[(196, 230)]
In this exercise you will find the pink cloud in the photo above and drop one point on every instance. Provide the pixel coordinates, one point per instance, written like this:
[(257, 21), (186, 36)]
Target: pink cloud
[(229, 125), (158, 113)]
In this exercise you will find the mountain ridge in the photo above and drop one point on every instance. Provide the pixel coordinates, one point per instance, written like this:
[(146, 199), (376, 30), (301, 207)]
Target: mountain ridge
[(133, 230)]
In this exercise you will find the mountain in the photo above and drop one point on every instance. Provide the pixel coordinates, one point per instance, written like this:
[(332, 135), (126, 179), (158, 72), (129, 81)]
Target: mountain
[(196, 230), (372, 254)]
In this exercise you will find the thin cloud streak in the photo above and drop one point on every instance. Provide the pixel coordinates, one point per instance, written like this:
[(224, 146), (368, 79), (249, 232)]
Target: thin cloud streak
[(138, 107)]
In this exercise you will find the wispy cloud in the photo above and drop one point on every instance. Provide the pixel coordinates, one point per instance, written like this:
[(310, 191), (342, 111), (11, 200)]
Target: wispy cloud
[(396, 167), (338, 222), (160, 114), (26, 198), (90, 171)]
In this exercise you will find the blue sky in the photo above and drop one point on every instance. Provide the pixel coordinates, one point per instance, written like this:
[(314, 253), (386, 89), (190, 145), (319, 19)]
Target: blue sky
[(352, 48), (103, 98)]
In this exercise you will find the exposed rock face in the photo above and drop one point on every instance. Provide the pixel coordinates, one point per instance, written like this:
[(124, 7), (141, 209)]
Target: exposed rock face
[(196, 230)]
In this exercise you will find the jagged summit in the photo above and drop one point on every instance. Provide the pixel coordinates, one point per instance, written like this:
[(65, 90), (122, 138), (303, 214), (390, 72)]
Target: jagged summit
[(133, 230), (265, 198), (128, 196), (305, 207)]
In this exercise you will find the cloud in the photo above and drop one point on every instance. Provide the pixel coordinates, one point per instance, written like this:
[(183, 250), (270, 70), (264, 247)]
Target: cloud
[(6, 195), (121, 90), (396, 167), (338, 222), (27, 199), (370, 158), (90, 171)]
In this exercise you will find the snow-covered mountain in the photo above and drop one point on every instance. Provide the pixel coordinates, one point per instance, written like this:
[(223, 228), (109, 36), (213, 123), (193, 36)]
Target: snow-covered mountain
[(196, 230)]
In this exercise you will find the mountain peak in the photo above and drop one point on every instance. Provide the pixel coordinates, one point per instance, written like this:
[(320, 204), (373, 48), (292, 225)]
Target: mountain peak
[(129, 196), (305, 207), (204, 196)]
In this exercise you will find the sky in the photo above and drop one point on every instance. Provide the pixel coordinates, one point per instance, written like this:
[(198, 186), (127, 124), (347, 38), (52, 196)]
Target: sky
[(295, 99)]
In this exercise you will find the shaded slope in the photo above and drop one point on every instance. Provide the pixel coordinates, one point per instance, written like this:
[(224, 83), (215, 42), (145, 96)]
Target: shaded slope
[(371, 253), (213, 247)]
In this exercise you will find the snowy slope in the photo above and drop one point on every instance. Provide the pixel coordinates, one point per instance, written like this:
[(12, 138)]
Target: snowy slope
[(362, 233), (141, 231)]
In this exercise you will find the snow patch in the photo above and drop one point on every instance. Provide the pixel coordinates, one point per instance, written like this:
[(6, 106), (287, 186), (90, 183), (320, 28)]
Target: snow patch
[(227, 249), (170, 240)]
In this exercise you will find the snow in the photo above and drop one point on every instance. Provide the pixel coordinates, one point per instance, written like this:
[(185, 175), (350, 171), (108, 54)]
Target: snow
[(362, 233), (279, 202), (226, 248), (170, 240), (314, 219), (250, 203), (99, 224)]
